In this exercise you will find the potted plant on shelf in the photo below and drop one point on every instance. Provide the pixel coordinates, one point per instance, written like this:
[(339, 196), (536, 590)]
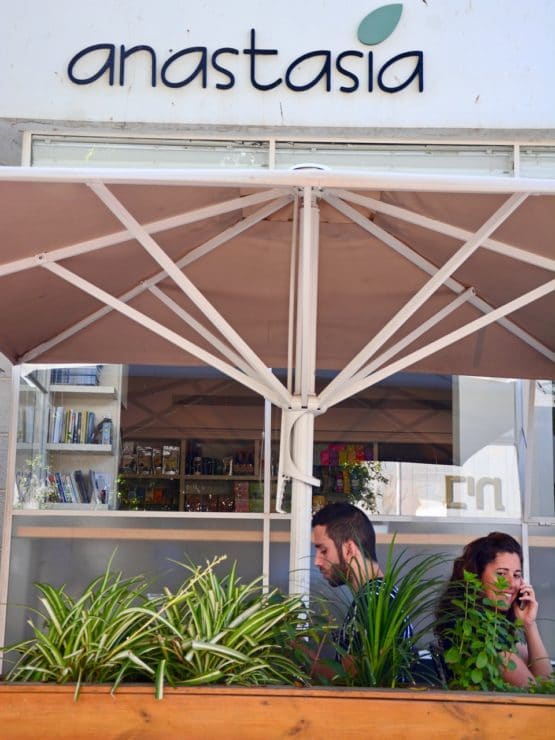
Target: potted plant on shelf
[(366, 479), (35, 489)]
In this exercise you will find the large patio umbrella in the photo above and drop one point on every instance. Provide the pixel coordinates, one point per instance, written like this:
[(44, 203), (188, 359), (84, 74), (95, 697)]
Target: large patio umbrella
[(365, 274)]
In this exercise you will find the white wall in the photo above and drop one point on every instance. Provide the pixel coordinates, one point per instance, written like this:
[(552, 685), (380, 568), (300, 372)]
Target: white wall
[(486, 64)]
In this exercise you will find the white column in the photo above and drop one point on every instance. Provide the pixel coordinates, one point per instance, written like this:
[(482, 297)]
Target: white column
[(303, 430), (301, 508)]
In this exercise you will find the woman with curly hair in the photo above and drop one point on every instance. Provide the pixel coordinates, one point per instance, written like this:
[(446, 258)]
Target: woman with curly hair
[(498, 555)]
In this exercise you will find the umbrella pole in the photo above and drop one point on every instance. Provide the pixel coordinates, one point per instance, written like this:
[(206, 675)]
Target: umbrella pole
[(301, 508), (305, 385)]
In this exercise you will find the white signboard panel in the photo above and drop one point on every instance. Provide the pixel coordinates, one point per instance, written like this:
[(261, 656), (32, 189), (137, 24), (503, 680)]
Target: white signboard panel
[(432, 63)]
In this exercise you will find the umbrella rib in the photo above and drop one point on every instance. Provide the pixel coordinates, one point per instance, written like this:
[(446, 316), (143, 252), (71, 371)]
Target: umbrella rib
[(186, 317), (190, 290), (153, 227), (429, 268), (229, 233), (427, 290), (292, 293), (258, 385), (307, 299), (404, 214), (413, 335), (455, 336)]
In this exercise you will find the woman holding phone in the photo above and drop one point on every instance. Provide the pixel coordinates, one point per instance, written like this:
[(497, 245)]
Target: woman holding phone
[(490, 558)]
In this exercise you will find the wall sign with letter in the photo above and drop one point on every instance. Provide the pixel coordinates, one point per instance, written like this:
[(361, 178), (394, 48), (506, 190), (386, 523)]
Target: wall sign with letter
[(320, 63)]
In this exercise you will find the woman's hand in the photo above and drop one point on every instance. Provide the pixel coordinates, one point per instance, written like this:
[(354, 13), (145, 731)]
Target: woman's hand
[(526, 606)]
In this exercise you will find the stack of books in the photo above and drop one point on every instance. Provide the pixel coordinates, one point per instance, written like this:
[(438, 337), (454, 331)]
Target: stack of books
[(86, 375), (71, 426), (80, 487)]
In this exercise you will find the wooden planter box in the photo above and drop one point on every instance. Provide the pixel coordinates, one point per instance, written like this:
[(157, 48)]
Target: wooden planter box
[(48, 711)]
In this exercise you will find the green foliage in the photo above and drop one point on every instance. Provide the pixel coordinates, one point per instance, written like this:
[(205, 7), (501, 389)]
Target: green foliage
[(96, 638), (542, 685), (33, 486), (479, 636), (366, 478), (218, 630), (382, 654), (211, 630)]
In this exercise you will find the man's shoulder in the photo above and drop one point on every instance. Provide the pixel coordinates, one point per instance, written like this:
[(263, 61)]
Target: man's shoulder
[(371, 586)]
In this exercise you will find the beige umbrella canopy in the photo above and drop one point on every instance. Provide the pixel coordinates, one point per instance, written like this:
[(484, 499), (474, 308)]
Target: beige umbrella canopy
[(239, 241), (359, 273)]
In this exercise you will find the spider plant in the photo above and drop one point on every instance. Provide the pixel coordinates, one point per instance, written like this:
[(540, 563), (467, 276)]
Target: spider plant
[(96, 638), (211, 630), (392, 616), (218, 630)]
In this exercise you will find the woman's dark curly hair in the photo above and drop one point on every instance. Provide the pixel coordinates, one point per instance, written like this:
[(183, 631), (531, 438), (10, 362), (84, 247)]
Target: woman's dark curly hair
[(474, 559)]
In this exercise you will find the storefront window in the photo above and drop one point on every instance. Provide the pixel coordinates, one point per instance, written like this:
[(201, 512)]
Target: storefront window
[(543, 450)]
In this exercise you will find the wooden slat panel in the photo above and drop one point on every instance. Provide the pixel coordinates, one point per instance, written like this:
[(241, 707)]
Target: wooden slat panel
[(28, 712)]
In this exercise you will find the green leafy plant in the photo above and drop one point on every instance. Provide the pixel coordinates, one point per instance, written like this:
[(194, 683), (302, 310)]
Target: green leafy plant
[(95, 638), (33, 486), (542, 685), (478, 636), (385, 655), (213, 629), (217, 630), (366, 479)]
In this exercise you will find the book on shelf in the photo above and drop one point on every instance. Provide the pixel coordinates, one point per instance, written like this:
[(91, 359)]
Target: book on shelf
[(60, 487), (91, 487), (81, 486), (70, 492), (85, 375), (72, 426), (102, 485)]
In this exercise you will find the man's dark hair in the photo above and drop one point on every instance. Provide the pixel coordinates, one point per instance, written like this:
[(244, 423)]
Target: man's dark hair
[(347, 522)]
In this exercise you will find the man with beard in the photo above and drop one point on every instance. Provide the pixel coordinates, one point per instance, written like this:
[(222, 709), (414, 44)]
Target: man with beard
[(345, 544)]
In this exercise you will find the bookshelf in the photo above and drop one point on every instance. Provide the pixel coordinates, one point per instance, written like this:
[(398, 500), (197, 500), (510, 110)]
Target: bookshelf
[(69, 452)]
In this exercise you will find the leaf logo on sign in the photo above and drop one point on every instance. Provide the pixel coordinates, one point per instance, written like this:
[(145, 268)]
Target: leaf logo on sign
[(379, 24)]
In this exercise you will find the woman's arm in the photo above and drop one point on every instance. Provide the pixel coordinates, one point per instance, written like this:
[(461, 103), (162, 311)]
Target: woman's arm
[(520, 675), (533, 655)]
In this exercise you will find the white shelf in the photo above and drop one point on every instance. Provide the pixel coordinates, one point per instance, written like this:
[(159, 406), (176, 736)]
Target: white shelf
[(75, 507), (100, 391), (89, 449)]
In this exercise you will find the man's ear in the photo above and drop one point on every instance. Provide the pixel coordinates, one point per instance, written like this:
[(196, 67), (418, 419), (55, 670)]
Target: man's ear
[(350, 550)]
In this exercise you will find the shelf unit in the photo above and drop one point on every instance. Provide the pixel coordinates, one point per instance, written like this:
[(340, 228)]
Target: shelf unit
[(59, 461), (69, 448), (215, 492)]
